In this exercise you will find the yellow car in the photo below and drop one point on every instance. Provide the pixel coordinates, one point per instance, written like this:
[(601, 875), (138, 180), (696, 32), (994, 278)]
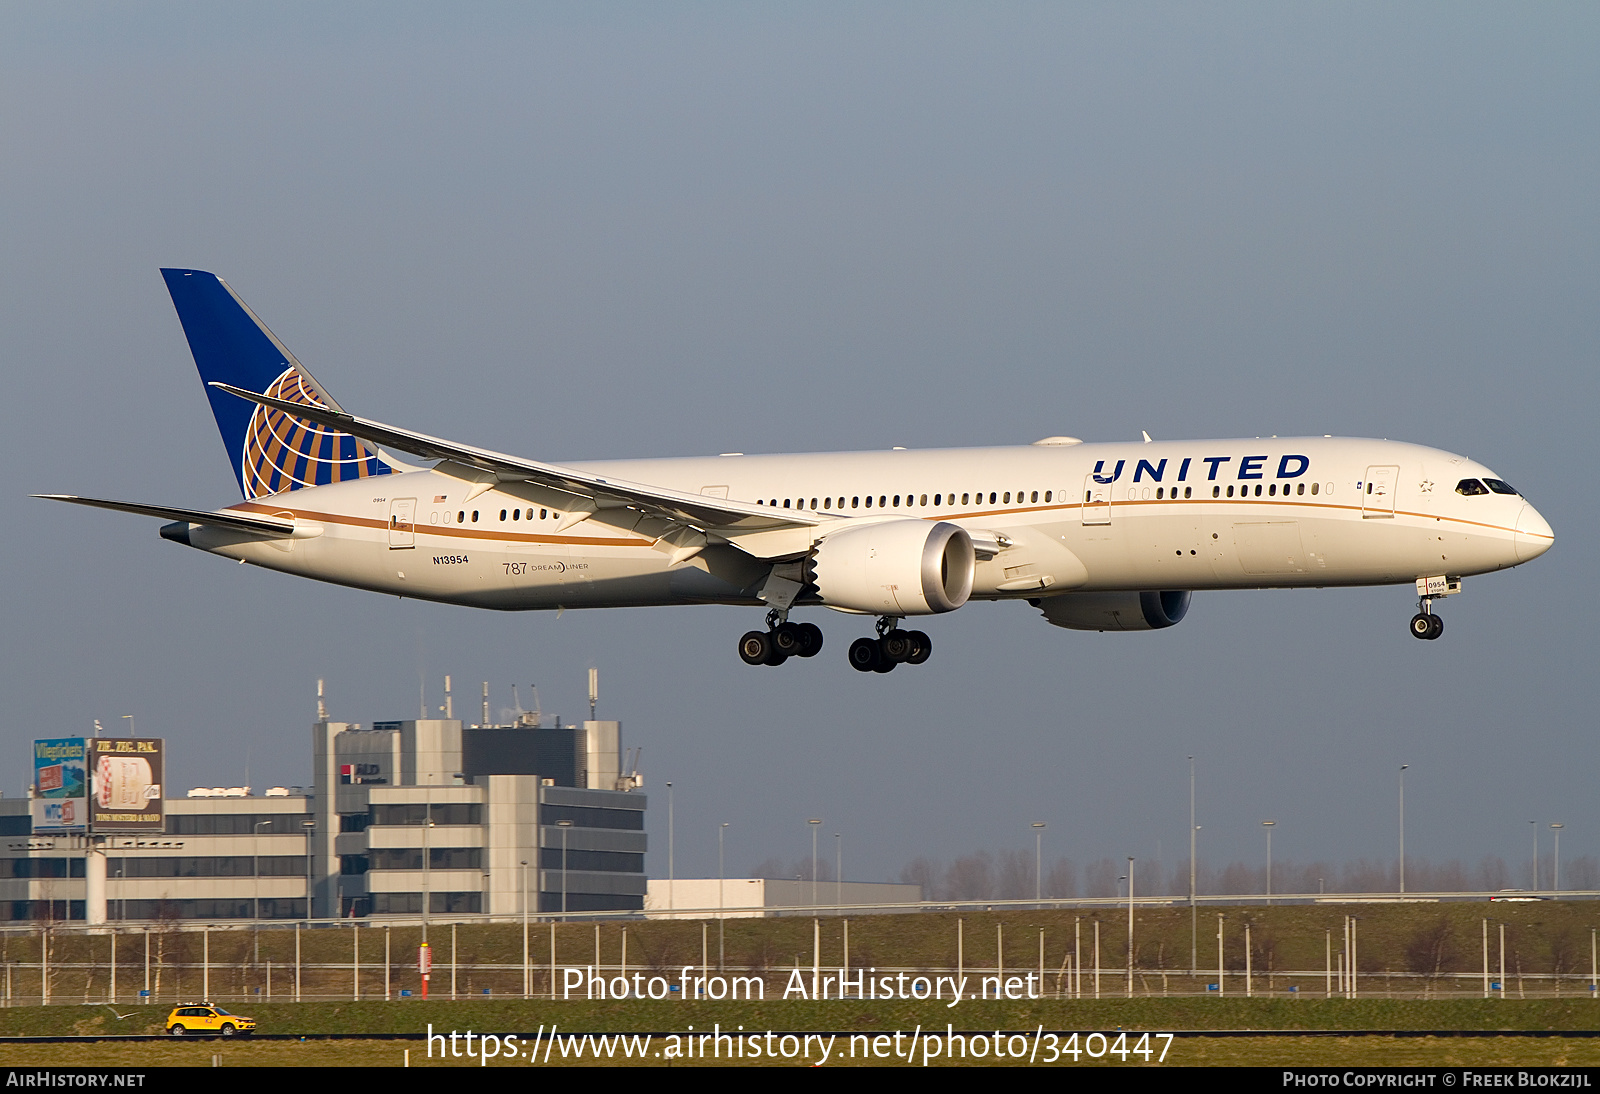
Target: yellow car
[(207, 1018)]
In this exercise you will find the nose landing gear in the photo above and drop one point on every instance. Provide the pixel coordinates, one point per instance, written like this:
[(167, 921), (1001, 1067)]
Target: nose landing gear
[(1425, 624), (780, 641), (892, 647)]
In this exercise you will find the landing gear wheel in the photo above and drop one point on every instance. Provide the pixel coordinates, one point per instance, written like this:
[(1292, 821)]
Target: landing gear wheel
[(884, 664), (755, 648), (786, 639), (1422, 626), (921, 647), (1438, 626), (864, 654), (896, 646), (810, 639)]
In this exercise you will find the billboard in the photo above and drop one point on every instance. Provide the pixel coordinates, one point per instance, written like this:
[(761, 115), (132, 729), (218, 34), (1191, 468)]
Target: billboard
[(127, 774), (60, 785)]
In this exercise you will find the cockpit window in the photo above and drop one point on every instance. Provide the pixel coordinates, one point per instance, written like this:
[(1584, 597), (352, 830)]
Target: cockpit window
[(1500, 486), (1471, 487)]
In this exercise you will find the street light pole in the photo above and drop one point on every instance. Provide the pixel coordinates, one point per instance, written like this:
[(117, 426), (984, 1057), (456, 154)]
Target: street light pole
[(1403, 828), (565, 826), (1268, 826), (671, 875), (1555, 882), (255, 868), (838, 873), (427, 826), (1038, 859), (813, 822), (1535, 826), (309, 826), (722, 900), (1130, 926), (1194, 910)]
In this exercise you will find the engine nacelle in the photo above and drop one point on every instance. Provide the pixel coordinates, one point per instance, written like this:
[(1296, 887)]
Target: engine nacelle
[(1116, 611), (897, 567)]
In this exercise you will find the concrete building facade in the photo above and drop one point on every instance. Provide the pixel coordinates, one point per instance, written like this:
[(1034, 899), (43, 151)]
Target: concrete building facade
[(403, 819)]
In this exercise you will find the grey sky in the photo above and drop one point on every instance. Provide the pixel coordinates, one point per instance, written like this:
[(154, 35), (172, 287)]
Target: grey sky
[(587, 231)]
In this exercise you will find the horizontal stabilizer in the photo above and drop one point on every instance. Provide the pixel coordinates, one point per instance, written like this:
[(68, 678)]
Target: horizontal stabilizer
[(261, 526)]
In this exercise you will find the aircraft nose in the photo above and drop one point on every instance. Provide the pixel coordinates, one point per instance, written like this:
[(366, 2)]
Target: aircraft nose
[(1534, 535)]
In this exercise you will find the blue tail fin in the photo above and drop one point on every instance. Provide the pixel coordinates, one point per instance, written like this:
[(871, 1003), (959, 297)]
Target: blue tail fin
[(271, 451)]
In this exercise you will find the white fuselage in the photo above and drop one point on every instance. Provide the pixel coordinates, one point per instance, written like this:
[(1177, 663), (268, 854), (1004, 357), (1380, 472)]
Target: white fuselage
[(1174, 515)]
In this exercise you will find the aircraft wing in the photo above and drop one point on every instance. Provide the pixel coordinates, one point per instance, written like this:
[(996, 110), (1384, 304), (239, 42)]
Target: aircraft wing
[(256, 525), (758, 529)]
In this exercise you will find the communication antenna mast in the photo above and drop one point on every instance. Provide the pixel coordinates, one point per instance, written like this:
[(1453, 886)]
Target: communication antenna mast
[(485, 703), (322, 707), (594, 691), (449, 712)]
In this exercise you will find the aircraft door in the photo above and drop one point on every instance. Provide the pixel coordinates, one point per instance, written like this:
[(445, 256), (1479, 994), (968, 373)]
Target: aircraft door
[(402, 526), (1377, 493), (1096, 501)]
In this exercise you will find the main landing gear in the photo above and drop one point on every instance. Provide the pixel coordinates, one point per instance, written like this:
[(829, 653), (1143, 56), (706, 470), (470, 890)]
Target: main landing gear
[(780, 641), (892, 647)]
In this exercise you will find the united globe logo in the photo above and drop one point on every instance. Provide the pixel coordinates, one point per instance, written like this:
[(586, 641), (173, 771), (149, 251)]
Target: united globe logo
[(282, 452)]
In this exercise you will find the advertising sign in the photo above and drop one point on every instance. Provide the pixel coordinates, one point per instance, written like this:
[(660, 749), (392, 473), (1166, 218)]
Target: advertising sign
[(127, 784), (60, 785)]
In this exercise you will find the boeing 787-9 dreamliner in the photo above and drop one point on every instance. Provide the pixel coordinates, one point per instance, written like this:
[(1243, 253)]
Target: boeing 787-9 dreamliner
[(1104, 537)]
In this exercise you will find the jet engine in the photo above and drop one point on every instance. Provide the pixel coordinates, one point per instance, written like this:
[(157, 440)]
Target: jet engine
[(896, 567), (1115, 611)]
